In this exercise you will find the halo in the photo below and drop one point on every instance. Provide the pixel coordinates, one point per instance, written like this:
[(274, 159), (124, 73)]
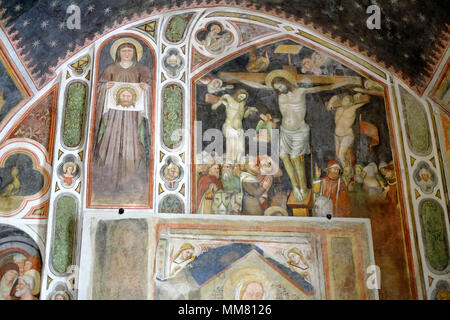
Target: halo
[(187, 245), (295, 250), (239, 277), (70, 164), (274, 168), (18, 257), (117, 43), (271, 210), (37, 280), (170, 166), (280, 74), (62, 293), (133, 91)]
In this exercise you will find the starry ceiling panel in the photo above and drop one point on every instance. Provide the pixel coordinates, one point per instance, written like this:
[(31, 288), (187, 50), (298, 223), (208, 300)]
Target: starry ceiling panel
[(411, 41)]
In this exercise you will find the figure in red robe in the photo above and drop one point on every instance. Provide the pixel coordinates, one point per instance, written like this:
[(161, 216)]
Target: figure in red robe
[(207, 184), (333, 186)]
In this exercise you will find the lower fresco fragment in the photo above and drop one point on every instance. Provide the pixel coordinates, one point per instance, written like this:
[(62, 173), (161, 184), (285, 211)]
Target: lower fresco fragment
[(221, 259), (120, 266)]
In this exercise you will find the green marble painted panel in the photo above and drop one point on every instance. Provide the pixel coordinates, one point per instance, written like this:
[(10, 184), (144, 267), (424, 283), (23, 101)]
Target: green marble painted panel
[(172, 116), (177, 27), (74, 114), (64, 235), (434, 234), (417, 128)]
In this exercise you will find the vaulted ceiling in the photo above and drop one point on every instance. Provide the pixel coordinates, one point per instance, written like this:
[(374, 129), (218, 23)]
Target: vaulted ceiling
[(413, 36)]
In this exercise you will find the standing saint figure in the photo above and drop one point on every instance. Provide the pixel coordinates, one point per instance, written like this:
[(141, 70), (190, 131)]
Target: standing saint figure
[(122, 139), (232, 128), (294, 131)]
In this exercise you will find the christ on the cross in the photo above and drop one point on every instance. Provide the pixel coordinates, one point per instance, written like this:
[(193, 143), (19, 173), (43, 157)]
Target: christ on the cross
[(294, 131)]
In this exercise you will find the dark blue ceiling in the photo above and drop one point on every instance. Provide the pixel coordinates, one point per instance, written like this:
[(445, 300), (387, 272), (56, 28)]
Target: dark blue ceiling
[(411, 38)]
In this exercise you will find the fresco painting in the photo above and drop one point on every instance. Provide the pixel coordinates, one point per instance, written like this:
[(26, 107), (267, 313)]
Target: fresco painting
[(343, 269), (413, 59), (173, 62), (243, 264), (441, 291), (445, 125), (435, 237), (80, 65), (425, 177), (120, 264), (211, 259), (214, 38), (172, 173), (249, 32), (172, 116), (273, 262), (249, 157), (39, 125), (441, 93), (121, 160), (60, 293), (20, 265), (68, 171), (176, 27), (323, 141), (20, 179), (74, 114), (11, 91), (64, 236), (416, 123), (171, 204)]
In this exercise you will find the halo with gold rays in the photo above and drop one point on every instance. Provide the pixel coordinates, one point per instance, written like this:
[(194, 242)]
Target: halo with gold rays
[(241, 277), (120, 41)]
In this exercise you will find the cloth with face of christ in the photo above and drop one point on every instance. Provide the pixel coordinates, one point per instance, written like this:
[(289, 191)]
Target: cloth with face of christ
[(125, 96)]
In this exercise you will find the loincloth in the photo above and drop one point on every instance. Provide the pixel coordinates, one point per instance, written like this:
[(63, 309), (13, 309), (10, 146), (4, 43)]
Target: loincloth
[(295, 142)]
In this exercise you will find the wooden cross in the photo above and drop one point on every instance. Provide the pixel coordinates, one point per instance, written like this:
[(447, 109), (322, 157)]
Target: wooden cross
[(235, 77)]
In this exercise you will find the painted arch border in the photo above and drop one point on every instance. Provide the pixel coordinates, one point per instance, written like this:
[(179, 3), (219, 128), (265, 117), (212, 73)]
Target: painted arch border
[(32, 233), (427, 276), (203, 5), (20, 83), (306, 33)]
